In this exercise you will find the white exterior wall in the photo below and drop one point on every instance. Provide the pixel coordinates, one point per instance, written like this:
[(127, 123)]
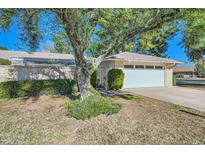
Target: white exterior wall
[(9, 73), (168, 77), (4, 73)]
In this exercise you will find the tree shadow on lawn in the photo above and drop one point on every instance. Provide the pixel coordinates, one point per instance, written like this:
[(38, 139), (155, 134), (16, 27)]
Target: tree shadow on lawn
[(191, 113), (36, 98)]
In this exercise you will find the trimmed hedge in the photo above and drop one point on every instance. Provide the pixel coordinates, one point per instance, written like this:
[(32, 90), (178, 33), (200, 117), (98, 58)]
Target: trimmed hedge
[(115, 79), (93, 79), (4, 61), (14, 89)]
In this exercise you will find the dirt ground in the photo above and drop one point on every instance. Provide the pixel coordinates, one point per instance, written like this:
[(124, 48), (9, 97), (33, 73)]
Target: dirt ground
[(144, 121)]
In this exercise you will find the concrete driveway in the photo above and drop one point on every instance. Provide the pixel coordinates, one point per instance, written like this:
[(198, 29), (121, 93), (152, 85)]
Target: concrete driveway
[(177, 95)]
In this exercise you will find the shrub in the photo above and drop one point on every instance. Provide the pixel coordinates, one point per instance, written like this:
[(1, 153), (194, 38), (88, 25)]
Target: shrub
[(115, 79), (4, 61), (91, 107), (174, 80), (9, 89), (60, 86), (93, 79), (14, 89)]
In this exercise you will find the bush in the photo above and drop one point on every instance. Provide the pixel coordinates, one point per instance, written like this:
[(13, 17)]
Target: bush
[(14, 89), (4, 61), (9, 89), (91, 107), (93, 79), (115, 79), (174, 80), (62, 87)]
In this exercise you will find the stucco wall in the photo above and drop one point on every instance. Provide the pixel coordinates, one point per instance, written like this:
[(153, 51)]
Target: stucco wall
[(35, 73), (168, 75), (168, 79), (4, 73), (103, 69)]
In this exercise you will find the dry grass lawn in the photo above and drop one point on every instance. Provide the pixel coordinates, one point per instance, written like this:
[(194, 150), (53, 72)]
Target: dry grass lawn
[(141, 121)]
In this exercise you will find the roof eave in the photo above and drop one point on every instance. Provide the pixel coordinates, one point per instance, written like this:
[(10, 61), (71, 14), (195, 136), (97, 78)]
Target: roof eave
[(150, 61), (154, 61), (180, 62)]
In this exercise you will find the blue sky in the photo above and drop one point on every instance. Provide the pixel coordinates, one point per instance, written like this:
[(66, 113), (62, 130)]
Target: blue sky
[(175, 51), (10, 40)]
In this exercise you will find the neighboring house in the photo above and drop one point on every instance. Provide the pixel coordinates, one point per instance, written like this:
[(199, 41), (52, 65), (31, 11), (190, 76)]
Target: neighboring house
[(36, 66), (37, 58), (140, 70), (185, 72)]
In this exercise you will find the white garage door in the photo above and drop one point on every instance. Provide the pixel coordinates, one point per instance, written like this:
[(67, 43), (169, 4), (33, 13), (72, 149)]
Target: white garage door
[(135, 78)]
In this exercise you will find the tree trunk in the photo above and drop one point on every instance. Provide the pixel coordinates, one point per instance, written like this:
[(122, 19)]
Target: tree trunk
[(83, 74), (83, 70), (83, 80)]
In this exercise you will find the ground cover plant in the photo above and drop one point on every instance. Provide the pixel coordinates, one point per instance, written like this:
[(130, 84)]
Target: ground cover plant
[(92, 106)]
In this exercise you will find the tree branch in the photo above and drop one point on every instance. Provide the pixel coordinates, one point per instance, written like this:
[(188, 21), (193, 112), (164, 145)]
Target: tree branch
[(130, 35), (149, 26)]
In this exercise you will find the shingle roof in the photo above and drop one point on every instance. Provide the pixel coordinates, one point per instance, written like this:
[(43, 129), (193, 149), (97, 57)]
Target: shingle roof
[(181, 69), (123, 55), (128, 56), (43, 55)]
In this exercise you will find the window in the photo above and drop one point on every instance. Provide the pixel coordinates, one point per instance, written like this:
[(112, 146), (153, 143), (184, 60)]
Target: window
[(17, 61), (139, 66), (149, 67), (128, 66), (159, 67)]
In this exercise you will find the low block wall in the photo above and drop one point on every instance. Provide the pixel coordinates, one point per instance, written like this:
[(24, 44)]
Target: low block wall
[(17, 73)]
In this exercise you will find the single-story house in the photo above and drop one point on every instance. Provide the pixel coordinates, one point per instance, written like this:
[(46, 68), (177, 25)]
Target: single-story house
[(36, 66), (23, 58), (185, 72), (140, 70)]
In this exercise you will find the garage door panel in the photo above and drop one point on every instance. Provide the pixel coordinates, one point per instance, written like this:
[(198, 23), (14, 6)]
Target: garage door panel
[(135, 78)]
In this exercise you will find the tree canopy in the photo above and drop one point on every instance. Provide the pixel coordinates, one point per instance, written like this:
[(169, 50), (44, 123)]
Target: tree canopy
[(155, 42), (3, 48), (106, 25), (109, 25), (194, 32), (61, 43)]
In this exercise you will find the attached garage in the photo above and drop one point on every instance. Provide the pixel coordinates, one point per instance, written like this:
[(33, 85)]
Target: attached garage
[(136, 78), (140, 70)]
